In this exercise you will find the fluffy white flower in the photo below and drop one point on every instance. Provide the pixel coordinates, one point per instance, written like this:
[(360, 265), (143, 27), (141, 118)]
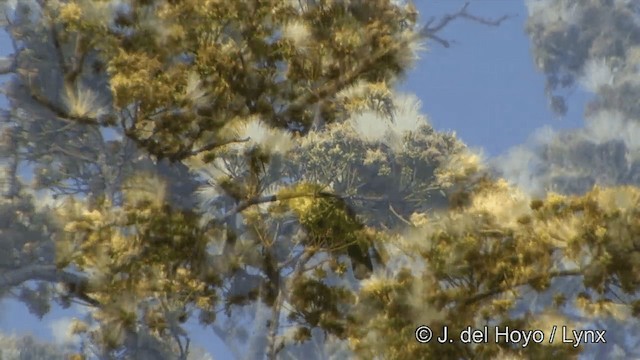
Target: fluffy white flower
[(407, 117), (507, 204), (608, 125), (268, 138), (81, 102), (298, 32), (597, 73), (194, 90), (518, 167), (370, 126)]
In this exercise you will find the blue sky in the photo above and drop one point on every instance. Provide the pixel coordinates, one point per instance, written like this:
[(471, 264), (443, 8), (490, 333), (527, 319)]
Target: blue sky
[(484, 87)]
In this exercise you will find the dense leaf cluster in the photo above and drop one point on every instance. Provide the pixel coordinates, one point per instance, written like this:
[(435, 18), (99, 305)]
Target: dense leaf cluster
[(247, 163)]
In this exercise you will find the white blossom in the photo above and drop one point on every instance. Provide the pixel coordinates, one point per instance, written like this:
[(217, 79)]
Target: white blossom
[(370, 126), (597, 73)]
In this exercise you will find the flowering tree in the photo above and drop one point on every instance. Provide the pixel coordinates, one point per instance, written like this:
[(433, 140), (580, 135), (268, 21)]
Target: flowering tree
[(249, 165)]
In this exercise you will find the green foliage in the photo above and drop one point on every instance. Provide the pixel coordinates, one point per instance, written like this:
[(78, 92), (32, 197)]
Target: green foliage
[(318, 305), (295, 184), (146, 257), (483, 261), (190, 68)]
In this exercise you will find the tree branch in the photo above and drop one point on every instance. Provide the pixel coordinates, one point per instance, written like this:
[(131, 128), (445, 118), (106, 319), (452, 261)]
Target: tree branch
[(76, 155), (243, 205), (311, 97), (80, 54), (487, 294), (431, 32), (38, 272), (185, 154), (393, 211), (274, 324), (49, 273), (59, 111)]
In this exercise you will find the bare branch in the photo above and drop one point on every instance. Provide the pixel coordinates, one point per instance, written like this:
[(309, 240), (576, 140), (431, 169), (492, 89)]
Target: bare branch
[(37, 272), (323, 91), (59, 111), (431, 32), (487, 294), (70, 73), (78, 60), (210, 147), (76, 155), (393, 211), (274, 324), (48, 273), (55, 40)]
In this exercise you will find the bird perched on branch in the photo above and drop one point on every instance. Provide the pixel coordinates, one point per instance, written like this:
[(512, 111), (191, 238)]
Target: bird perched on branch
[(331, 225)]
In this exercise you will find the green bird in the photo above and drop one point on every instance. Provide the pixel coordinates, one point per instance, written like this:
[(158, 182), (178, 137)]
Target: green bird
[(332, 225)]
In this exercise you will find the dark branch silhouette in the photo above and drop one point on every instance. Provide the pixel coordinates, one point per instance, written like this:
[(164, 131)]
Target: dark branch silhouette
[(431, 32)]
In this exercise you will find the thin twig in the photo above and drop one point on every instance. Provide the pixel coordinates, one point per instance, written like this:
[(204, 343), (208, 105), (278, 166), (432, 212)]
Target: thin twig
[(393, 211), (431, 32), (48, 273), (487, 294), (216, 145)]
